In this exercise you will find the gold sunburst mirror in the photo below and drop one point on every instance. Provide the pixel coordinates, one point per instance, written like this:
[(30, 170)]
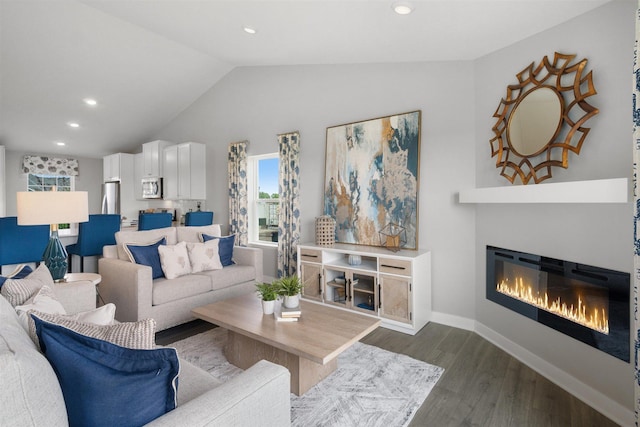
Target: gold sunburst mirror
[(542, 119)]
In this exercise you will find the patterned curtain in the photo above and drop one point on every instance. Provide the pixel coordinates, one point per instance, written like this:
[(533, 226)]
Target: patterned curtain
[(238, 215), (289, 217), (636, 237), (44, 165)]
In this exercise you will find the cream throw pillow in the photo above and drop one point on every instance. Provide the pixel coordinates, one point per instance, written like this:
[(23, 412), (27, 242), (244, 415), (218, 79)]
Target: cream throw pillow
[(18, 291), (174, 260), (204, 256)]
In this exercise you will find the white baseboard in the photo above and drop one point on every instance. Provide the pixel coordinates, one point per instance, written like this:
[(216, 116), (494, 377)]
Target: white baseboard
[(593, 398), (454, 321)]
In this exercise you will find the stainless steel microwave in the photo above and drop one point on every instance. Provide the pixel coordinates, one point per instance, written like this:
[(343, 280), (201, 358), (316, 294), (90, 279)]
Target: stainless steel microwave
[(152, 188)]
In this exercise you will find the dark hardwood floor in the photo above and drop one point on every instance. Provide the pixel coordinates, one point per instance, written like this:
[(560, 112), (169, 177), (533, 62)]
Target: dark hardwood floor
[(481, 386)]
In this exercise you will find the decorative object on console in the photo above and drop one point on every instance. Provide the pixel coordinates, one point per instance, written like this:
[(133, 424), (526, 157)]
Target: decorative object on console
[(354, 260), (537, 124), (325, 230), (393, 236), (53, 208), (371, 177)]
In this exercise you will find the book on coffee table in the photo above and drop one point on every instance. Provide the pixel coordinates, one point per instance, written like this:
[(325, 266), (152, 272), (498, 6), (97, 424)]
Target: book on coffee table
[(291, 312), (278, 313)]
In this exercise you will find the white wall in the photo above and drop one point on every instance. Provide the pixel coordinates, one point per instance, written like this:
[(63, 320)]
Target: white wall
[(258, 103), (3, 182), (599, 235)]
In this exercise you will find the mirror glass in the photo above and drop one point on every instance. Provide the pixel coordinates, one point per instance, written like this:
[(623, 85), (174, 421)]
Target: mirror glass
[(534, 121)]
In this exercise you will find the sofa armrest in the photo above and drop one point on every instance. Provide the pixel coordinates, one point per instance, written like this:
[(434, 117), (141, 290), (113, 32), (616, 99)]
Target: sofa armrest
[(244, 255), (76, 296), (258, 396), (128, 286)]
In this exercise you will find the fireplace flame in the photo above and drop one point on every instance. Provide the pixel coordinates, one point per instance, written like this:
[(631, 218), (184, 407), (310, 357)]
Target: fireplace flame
[(592, 318)]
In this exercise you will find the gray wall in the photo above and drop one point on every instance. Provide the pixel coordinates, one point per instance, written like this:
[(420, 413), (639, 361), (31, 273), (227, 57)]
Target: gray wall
[(457, 100), (89, 179), (599, 235), (258, 103)]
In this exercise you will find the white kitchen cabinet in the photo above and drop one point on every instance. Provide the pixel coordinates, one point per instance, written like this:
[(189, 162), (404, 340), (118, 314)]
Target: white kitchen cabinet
[(184, 168), (152, 155), (114, 166)]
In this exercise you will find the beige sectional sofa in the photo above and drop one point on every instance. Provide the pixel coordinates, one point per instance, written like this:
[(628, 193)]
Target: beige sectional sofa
[(169, 301), (31, 395)]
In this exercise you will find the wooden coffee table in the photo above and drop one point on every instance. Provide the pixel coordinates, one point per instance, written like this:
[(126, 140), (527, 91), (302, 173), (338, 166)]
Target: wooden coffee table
[(308, 348)]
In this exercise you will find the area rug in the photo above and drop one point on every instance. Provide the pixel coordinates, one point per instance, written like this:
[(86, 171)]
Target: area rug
[(371, 386)]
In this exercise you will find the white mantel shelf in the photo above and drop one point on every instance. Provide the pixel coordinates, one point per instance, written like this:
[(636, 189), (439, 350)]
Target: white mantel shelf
[(596, 191)]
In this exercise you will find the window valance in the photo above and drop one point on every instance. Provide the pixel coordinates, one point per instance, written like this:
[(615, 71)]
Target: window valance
[(45, 165)]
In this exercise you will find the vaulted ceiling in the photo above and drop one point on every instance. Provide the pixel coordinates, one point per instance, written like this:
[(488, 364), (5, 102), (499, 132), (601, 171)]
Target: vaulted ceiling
[(146, 61)]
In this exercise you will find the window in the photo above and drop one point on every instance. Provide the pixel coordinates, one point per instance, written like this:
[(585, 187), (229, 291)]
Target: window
[(264, 201), (37, 182)]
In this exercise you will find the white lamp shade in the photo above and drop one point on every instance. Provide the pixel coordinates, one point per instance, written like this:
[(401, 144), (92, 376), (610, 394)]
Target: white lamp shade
[(52, 207)]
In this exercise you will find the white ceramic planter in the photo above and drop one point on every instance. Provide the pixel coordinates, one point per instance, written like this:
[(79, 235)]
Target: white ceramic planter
[(291, 301), (268, 306)]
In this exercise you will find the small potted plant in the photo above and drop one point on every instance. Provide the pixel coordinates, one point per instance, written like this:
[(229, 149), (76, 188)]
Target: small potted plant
[(268, 293), (289, 287)]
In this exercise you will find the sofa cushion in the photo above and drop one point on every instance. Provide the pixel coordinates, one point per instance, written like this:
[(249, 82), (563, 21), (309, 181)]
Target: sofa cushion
[(20, 272), (225, 247), (18, 291), (30, 392), (204, 256), (174, 260), (165, 290), (144, 236), (230, 276), (147, 254), (107, 385), (192, 234)]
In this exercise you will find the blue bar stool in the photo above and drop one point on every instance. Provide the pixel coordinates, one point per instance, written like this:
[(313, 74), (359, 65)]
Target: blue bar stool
[(198, 218), (93, 235), (151, 221)]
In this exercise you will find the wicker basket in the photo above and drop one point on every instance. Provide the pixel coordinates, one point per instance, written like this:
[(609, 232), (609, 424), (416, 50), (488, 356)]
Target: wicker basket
[(325, 230)]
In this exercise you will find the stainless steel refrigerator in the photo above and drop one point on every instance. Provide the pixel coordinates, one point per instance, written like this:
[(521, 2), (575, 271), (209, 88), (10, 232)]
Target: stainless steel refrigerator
[(111, 198)]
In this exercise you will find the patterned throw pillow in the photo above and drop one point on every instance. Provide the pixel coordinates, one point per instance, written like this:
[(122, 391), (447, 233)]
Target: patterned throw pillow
[(225, 247), (45, 301), (204, 256), (109, 385), (18, 291), (147, 254), (174, 260), (136, 335), (20, 272)]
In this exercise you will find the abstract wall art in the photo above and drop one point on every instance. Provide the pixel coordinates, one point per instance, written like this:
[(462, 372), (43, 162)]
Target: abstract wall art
[(371, 178)]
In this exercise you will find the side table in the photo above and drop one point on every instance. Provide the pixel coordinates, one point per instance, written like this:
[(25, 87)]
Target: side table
[(94, 278)]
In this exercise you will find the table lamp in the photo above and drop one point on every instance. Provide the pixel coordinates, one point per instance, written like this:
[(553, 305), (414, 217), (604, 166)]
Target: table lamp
[(53, 208)]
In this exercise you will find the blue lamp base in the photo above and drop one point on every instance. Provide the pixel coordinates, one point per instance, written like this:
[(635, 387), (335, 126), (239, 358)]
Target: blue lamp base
[(55, 257)]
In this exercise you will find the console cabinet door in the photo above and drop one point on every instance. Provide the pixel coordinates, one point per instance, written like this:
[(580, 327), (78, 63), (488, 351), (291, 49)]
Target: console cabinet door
[(311, 275), (395, 298)]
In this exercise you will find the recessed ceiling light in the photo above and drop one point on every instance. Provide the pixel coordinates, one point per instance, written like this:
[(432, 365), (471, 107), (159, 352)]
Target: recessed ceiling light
[(90, 101), (402, 8), (60, 144), (73, 124), (249, 30)]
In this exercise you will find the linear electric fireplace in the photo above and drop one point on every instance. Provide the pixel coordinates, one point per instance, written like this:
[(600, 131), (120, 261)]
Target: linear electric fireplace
[(590, 304)]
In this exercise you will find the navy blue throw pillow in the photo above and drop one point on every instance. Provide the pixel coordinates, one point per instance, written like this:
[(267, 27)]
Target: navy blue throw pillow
[(19, 273), (147, 255), (104, 384), (225, 248)]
